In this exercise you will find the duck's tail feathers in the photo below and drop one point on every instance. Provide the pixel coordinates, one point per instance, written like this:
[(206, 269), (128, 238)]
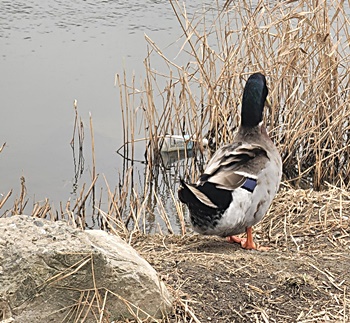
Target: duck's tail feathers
[(190, 194)]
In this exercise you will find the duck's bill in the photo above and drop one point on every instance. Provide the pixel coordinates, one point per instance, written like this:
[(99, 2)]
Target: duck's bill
[(268, 102)]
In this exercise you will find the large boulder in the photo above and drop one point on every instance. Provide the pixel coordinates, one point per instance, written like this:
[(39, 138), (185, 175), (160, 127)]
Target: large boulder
[(51, 272)]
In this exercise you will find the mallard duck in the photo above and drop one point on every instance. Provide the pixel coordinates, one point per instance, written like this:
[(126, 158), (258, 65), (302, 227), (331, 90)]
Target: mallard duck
[(241, 179)]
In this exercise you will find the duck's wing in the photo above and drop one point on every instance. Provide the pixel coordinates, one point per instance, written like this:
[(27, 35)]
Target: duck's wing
[(232, 165)]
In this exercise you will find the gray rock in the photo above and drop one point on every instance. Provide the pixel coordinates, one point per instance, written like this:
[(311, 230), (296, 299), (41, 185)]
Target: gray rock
[(51, 272)]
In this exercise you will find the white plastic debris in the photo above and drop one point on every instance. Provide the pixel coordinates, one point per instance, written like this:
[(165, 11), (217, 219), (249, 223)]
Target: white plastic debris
[(178, 143)]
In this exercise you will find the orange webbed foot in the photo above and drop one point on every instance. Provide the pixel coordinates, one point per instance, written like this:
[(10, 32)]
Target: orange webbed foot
[(247, 243), (243, 242)]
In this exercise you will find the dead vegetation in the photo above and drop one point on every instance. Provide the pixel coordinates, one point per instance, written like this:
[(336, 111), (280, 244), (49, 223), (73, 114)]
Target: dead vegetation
[(303, 49), (302, 278)]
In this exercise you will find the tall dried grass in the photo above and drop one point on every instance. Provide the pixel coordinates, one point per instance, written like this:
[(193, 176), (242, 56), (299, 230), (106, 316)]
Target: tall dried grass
[(303, 49)]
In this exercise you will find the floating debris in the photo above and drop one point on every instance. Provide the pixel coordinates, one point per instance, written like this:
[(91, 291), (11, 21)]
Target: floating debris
[(178, 143)]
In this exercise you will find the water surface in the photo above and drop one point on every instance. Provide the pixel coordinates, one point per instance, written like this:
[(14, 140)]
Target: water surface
[(53, 52)]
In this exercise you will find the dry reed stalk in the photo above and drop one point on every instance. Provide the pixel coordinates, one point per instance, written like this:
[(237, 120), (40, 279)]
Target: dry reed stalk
[(22, 203), (102, 311), (180, 214), (134, 310), (141, 214), (114, 225), (71, 218), (189, 312), (134, 213), (80, 208), (68, 271), (2, 146), (93, 162), (85, 304), (80, 197), (163, 213), (301, 47), (4, 199), (124, 189), (112, 202), (40, 211)]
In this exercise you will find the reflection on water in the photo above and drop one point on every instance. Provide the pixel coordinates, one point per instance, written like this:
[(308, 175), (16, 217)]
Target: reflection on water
[(173, 158), (160, 185)]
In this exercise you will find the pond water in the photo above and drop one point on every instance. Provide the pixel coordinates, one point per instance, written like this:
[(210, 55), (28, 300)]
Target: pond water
[(55, 52)]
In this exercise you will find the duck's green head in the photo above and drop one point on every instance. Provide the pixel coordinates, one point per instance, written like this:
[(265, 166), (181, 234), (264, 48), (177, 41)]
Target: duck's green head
[(254, 98)]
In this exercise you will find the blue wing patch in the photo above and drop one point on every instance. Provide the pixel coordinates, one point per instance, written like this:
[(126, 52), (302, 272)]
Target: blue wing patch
[(249, 184)]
